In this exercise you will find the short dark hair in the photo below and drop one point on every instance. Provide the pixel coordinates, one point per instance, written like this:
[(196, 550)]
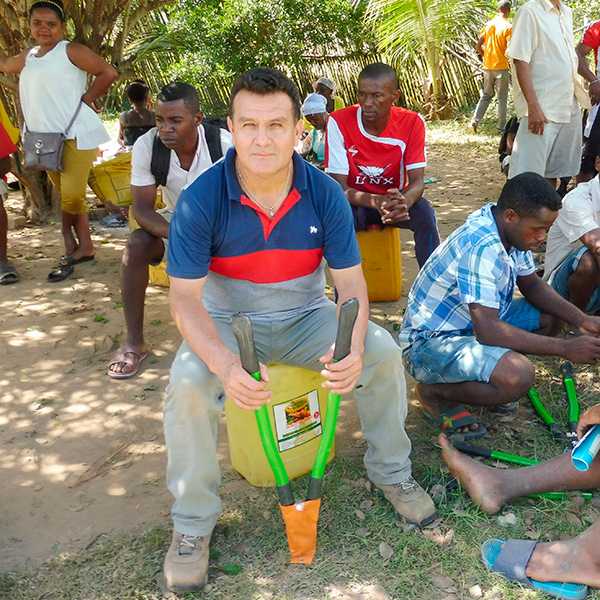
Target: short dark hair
[(379, 71), (137, 91), (54, 5), (527, 194), (178, 90), (265, 81)]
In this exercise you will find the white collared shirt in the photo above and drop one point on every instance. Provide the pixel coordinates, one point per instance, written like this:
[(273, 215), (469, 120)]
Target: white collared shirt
[(580, 214), (178, 177), (543, 37)]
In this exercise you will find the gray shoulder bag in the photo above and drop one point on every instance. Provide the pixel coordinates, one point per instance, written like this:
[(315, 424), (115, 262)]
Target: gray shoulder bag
[(43, 151)]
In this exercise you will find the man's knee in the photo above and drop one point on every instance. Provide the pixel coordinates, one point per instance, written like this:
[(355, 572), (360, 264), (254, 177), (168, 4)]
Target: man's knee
[(380, 347), (588, 267), (514, 375), (422, 214), (142, 248), (191, 385), (549, 325)]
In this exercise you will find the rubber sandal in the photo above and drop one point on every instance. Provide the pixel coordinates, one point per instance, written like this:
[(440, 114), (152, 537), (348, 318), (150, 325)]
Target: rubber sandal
[(8, 275), (120, 356), (60, 273), (512, 406), (509, 560), (113, 221), (456, 417), (69, 261)]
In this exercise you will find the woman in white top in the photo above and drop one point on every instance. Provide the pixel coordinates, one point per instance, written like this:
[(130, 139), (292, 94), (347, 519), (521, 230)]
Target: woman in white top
[(52, 85)]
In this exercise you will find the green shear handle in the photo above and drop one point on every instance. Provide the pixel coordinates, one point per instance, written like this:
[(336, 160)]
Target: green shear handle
[(242, 329)]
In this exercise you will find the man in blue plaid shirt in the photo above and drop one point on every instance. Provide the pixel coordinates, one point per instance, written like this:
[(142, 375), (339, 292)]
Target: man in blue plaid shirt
[(463, 335)]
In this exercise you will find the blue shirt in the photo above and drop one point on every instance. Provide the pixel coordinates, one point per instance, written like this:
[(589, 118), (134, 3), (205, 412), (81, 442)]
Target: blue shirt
[(472, 266), (252, 263)]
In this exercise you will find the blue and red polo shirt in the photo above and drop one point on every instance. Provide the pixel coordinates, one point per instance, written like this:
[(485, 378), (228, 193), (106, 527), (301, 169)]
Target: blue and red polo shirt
[(252, 263)]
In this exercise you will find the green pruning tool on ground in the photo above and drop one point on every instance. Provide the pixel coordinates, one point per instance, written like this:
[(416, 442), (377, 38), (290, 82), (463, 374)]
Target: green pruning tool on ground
[(558, 434)]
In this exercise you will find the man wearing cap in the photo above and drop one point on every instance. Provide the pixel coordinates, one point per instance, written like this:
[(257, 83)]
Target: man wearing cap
[(547, 93), (376, 151), (492, 46)]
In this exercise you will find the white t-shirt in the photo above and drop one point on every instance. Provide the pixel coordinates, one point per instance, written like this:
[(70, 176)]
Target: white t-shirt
[(580, 214), (178, 178)]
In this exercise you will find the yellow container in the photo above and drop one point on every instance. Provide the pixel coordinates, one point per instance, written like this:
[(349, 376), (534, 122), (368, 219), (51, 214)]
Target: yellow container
[(110, 180), (382, 262), (158, 275), (296, 412)]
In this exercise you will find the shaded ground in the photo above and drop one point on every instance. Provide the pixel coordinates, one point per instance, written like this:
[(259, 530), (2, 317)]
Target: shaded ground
[(82, 455)]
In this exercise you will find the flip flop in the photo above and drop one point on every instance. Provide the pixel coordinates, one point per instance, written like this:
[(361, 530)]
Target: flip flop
[(509, 560), (113, 221), (456, 417), (69, 261), (512, 406), (120, 356), (8, 275), (60, 273)]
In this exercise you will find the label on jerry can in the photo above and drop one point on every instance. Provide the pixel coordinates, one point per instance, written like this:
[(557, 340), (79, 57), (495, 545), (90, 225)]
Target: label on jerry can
[(297, 421)]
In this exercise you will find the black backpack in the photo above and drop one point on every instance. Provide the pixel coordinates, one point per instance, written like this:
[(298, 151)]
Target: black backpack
[(161, 155)]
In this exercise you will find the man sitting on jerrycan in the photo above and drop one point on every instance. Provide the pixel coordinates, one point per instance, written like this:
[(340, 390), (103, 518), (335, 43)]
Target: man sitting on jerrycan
[(250, 235)]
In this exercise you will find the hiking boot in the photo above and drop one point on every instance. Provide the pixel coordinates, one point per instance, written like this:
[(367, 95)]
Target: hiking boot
[(473, 127), (186, 563), (410, 501)]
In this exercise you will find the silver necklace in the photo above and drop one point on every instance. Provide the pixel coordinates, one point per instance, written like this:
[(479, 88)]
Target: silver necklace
[(271, 210)]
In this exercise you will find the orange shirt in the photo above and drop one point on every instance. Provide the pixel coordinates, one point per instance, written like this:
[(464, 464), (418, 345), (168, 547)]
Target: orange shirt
[(496, 33)]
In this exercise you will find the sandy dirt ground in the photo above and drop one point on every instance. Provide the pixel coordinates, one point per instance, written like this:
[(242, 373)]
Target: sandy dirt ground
[(82, 455)]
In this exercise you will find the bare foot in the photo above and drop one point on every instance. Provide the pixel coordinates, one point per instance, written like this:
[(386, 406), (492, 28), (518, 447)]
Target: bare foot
[(572, 561), (481, 483), (436, 407)]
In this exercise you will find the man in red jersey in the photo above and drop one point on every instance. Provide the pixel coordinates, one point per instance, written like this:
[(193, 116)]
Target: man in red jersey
[(376, 151)]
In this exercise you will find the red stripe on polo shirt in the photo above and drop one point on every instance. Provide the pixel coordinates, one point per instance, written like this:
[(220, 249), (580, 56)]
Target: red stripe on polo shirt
[(268, 266)]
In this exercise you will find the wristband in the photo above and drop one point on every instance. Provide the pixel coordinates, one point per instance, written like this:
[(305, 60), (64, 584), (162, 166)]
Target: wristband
[(595, 81)]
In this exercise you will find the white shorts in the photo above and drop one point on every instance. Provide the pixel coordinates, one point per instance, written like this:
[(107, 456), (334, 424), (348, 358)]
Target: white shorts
[(555, 153)]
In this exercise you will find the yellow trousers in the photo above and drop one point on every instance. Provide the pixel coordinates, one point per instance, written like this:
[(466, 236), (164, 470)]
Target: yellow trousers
[(71, 183)]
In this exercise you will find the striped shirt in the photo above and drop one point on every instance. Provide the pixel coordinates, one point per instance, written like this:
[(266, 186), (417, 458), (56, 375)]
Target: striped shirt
[(472, 266)]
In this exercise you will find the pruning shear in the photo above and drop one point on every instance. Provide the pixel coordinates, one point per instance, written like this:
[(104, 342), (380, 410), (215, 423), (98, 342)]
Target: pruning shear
[(558, 434), (473, 450)]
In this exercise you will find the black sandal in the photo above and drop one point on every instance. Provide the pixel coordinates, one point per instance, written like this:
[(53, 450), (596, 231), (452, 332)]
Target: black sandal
[(60, 273)]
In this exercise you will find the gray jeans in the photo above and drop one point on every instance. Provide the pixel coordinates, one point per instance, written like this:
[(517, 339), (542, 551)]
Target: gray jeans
[(493, 82), (195, 400)]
